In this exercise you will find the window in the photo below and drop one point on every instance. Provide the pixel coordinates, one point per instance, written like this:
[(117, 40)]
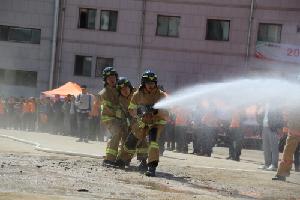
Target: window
[(167, 26), (87, 18), (4, 33), (217, 30), (269, 33), (19, 34), (35, 36), (83, 66), (108, 20), (101, 63), (18, 77)]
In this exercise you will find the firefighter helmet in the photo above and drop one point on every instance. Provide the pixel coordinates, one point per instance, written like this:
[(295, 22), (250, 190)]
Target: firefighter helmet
[(149, 76), (108, 71), (122, 82)]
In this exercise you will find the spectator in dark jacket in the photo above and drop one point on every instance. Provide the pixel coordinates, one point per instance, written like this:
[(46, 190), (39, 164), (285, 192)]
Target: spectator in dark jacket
[(73, 116), (67, 116), (57, 115)]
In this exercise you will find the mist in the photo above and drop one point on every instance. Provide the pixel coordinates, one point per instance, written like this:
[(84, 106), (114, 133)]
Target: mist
[(236, 94)]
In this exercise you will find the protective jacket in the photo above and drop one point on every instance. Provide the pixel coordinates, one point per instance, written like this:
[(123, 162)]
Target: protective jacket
[(293, 118), (109, 103), (144, 98)]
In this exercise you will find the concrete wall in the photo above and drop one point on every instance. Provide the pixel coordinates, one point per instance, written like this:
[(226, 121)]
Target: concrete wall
[(121, 45), (177, 61), (24, 56)]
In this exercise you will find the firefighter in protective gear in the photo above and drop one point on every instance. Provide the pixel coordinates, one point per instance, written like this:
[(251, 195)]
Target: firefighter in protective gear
[(126, 90), (111, 114), (146, 121), (292, 117)]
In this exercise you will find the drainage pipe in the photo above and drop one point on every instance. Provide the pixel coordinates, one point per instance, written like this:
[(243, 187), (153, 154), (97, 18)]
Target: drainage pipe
[(61, 33), (54, 39), (141, 42), (249, 34)]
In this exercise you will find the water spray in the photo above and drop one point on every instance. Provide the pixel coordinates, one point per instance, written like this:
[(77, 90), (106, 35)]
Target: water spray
[(236, 94)]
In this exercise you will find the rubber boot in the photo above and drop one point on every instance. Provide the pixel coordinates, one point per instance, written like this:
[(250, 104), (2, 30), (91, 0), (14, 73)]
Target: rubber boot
[(120, 164), (143, 167), (151, 168), (279, 178), (108, 163), (151, 172)]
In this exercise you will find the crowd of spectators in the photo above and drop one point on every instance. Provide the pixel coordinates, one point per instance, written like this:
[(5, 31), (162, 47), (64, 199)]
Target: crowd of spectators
[(80, 117), (53, 115)]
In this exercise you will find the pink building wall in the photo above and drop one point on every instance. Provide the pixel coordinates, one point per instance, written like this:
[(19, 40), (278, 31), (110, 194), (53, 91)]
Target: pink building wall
[(180, 61)]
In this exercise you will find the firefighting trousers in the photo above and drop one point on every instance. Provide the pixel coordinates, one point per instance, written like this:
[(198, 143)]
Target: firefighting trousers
[(117, 131), (141, 148), (287, 159), (132, 146), (139, 135)]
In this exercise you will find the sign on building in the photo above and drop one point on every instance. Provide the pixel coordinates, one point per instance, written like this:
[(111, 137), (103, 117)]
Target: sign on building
[(278, 52)]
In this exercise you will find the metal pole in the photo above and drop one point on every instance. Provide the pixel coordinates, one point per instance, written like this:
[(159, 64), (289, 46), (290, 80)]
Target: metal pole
[(249, 34), (63, 10), (54, 39), (141, 42)]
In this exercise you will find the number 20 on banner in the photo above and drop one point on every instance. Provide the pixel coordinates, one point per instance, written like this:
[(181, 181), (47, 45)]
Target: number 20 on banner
[(293, 52)]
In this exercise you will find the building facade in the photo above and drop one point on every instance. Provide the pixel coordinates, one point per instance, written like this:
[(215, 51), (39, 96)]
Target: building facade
[(25, 46), (183, 41)]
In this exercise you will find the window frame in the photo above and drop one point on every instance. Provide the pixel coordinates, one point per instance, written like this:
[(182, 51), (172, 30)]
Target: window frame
[(18, 80), (31, 41), (82, 75), (220, 20), (79, 18), (100, 57), (109, 22), (271, 24), (168, 16)]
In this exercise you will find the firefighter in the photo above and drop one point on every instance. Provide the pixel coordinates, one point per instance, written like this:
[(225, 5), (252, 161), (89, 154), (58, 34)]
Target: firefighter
[(146, 121), (111, 114), (126, 90), (292, 117)]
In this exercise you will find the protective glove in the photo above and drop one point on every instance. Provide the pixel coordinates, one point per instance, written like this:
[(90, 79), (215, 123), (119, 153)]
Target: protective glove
[(148, 118), (119, 114)]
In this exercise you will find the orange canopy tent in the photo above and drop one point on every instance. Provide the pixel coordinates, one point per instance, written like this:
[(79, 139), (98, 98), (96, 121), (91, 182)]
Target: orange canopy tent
[(64, 90)]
